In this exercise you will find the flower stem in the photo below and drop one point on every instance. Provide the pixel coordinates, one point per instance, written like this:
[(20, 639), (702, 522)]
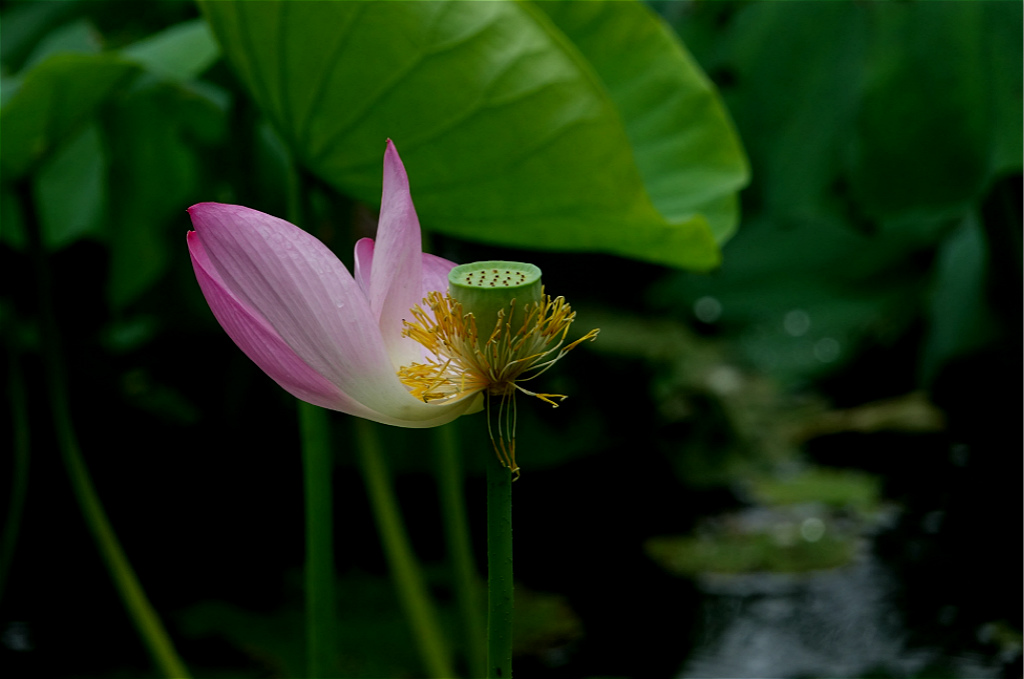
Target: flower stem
[(460, 552), (412, 590), (317, 468), (317, 465), (499, 570), (19, 479), (145, 618)]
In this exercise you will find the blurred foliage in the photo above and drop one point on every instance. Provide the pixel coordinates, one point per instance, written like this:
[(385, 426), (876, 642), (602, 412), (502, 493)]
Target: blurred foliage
[(273, 643), (840, 488), (749, 553), (117, 139), (877, 132)]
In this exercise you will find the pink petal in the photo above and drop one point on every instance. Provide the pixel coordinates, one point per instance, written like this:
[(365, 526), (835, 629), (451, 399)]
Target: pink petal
[(435, 269), (290, 281), (262, 344), (363, 263), (396, 273), (435, 273), (435, 277)]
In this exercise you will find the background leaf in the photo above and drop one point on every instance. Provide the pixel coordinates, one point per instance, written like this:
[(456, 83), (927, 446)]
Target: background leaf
[(1005, 54), (796, 138), (874, 132), (182, 52), (54, 100), (78, 37), (157, 172), (24, 25), (898, 166), (960, 316), (151, 132), (71, 190), (508, 130)]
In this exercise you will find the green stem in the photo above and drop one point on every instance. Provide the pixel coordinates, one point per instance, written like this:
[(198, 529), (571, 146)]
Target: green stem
[(499, 570), (145, 618), (412, 590), (317, 466), (460, 552), (19, 479)]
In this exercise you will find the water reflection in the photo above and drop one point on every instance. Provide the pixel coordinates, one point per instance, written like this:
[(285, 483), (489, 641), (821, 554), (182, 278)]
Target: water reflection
[(837, 623), (812, 529)]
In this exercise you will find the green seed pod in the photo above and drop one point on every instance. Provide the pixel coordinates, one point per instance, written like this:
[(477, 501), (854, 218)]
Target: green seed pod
[(485, 288)]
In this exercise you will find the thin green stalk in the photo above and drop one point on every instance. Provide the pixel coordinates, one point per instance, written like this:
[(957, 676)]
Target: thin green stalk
[(499, 570), (145, 618), (460, 551), (412, 590), (317, 465), (19, 479)]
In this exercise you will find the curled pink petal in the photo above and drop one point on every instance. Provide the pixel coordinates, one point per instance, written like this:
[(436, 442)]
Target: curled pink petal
[(363, 264), (435, 269), (395, 277)]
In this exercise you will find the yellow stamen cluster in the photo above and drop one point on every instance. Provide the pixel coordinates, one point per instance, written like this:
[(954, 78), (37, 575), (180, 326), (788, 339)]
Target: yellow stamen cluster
[(460, 365)]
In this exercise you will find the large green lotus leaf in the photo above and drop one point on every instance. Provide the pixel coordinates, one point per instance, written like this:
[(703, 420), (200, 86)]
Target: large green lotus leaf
[(507, 130), (683, 141), (52, 103)]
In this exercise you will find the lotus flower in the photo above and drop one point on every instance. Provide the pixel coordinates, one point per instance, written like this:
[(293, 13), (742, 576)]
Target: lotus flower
[(326, 336)]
